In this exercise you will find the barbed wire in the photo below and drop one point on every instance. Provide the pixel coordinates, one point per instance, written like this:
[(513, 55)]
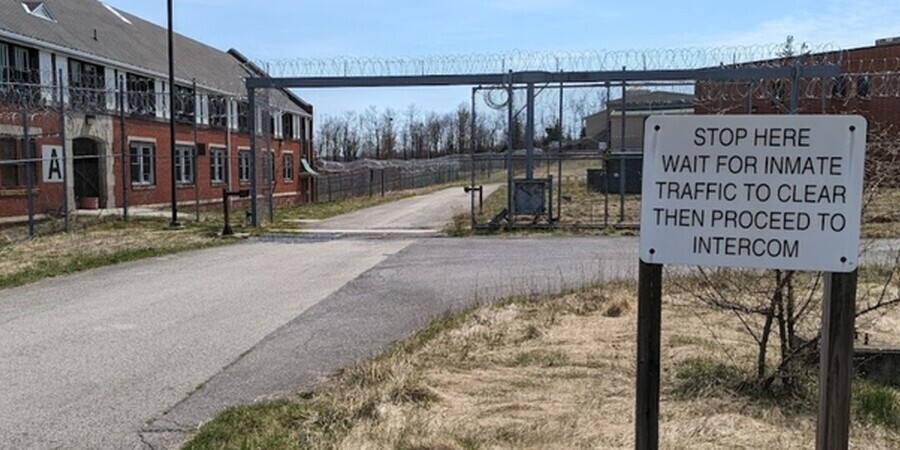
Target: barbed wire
[(21, 92), (141, 99), (766, 55)]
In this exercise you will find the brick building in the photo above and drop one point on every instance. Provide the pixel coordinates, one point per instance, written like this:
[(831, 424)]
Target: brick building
[(605, 127), (71, 70), (869, 85)]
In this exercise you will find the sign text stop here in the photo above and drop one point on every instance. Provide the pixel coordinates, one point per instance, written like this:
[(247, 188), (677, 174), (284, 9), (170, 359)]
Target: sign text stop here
[(780, 192)]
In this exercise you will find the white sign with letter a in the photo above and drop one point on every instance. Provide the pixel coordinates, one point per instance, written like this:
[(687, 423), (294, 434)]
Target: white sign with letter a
[(52, 156)]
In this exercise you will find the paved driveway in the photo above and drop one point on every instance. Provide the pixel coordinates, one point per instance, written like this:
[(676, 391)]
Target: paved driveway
[(86, 360), (425, 214)]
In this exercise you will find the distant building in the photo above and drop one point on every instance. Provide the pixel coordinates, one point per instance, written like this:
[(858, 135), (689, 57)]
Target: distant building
[(93, 49), (605, 127), (868, 85)]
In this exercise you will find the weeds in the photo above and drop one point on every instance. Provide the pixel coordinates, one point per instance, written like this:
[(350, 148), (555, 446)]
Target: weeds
[(876, 404), (540, 358), (545, 373)]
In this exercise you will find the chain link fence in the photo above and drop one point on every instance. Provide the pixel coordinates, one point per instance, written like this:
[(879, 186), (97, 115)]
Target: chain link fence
[(87, 137), (98, 144)]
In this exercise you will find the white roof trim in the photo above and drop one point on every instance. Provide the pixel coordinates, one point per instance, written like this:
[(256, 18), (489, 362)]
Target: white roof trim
[(117, 13), (40, 10)]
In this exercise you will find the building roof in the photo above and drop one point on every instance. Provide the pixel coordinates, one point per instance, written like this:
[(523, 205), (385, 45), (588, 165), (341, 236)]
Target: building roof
[(94, 30), (641, 99)]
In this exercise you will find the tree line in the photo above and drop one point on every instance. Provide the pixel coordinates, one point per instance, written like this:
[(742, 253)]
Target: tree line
[(416, 134)]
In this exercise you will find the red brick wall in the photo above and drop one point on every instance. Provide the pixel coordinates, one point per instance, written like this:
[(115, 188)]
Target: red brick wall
[(49, 198), (882, 112)]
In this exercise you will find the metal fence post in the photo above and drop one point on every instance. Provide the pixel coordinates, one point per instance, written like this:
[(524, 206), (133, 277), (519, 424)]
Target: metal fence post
[(29, 165), (510, 170), (622, 161), (124, 145), (254, 192), (65, 169), (196, 153)]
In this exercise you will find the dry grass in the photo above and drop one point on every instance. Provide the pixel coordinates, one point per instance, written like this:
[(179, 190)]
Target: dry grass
[(582, 207), (882, 216), (109, 242), (557, 373)]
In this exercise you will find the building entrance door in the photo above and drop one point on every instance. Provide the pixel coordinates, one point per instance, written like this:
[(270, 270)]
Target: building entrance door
[(86, 168)]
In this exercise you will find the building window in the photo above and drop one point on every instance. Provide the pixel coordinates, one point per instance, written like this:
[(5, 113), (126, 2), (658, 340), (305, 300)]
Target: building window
[(141, 95), (287, 168), (840, 87), (19, 65), (287, 126), (24, 65), (779, 91), (307, 128), (218, 165), (143, 161), (184, 104), (184, 164), (244, 166), (218, 111), (87, 86), (243, 117), (4, 64), (13, 164), (862, 86)]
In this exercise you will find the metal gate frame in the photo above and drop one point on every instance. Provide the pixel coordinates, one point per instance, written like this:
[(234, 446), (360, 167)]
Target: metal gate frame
[(513, 80)]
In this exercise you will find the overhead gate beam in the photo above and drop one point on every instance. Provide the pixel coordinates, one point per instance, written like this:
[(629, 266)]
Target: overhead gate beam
[(710, 74)]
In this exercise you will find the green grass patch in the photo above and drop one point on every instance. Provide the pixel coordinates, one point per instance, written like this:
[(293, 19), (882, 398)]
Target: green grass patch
[(704, 378), (280, 424), (689, 341), (876, 404), (540, 358), (54, 268), (105, 243)]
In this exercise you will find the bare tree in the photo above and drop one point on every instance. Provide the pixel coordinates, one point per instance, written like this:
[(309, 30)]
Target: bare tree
[(780, 307)]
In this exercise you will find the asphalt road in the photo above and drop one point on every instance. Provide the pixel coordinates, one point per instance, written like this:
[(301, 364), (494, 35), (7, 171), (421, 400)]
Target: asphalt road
[(87, 360), (390, 302), (426, 214)]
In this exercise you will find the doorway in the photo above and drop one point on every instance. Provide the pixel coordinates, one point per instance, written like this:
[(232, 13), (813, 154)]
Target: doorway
[(86, 167)]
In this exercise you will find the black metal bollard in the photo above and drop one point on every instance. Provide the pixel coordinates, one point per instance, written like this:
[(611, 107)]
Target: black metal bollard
[(244, 193)]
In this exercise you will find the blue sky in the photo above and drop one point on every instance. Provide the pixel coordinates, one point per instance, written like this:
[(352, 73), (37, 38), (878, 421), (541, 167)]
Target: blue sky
[(282, 29)]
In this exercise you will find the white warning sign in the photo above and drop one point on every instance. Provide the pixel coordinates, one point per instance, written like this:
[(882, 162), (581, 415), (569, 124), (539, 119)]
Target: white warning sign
[(780, 192)]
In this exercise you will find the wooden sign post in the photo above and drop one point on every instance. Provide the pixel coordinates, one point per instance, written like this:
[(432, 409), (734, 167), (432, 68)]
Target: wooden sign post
[(649, 321), (836, 361), (769, 192)]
